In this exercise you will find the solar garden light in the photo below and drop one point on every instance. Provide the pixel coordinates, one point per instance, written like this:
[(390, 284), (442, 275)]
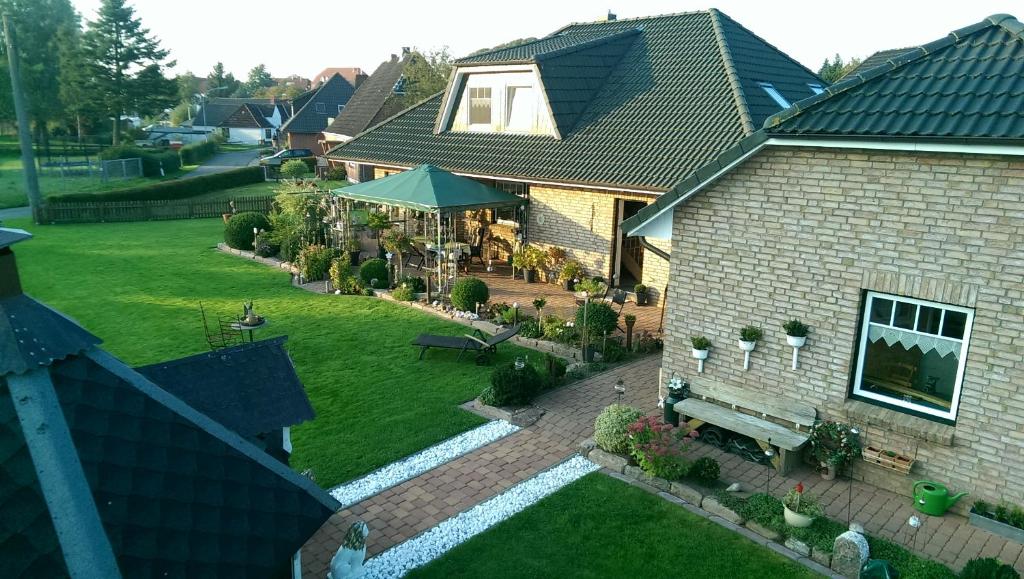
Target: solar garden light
[(769, 453), (515, 313), (255, 238), (854, 433), (620, 389)]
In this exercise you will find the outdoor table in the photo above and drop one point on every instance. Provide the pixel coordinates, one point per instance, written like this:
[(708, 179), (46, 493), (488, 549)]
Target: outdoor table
[(243, 327)]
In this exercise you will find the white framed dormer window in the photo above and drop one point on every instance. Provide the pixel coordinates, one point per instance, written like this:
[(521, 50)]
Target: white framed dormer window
[(520, 108), (815, 88), (770, 89), (320, 107), (912, 354), (502, 99), (480, 105)]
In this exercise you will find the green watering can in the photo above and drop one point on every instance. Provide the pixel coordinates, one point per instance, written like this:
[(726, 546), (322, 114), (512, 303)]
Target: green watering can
[(932, 498)]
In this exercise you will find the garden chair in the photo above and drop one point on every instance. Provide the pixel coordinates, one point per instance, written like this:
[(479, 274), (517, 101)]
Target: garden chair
[(225, 335), (480, 344)]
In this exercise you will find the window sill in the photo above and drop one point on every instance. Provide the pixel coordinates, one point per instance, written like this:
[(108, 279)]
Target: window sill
[(862, 413)]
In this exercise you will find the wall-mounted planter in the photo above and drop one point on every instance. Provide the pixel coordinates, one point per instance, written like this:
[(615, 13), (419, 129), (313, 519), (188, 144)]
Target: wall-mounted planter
[(796, 342), (887, 459), (747, 348), (985, 521), (700, 355)]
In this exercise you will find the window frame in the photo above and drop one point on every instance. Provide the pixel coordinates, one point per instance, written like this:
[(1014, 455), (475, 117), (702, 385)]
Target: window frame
[(856, 391), (775, 95), (816, 88), (510, 89), (320, 108), (490, 107)]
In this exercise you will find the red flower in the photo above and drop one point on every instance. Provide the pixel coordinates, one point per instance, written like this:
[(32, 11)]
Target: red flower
[(800, 487)]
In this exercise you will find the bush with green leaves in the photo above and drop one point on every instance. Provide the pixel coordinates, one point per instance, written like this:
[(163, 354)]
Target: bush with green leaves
[(416, 284), (795, 328), (468, 292), (530, 328), (374, 269), (403, 293), (751, 333), (511, 386), (342, 278), (988, 568), (265, 247), (238, 233), (611, 428), (153, 160), (613, 351), (314, 261), (294, 169), (601, 319), (556, 368), (337, 173), (174, 188), (557, 330), (700, 342), (196, 153), (705, 470)]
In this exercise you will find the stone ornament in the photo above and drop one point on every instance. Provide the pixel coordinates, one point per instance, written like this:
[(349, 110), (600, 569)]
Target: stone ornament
[(347, 563), (849, 554)]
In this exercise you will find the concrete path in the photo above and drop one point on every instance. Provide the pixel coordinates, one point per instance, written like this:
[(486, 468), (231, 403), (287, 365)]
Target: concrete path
[(15, 213), (225, 162)]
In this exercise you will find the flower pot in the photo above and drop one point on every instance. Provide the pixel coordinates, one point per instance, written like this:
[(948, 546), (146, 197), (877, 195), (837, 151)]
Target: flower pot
[(700, 354), (795, 519), (529, 275), (796, 341), (747, 346), (828, 471), (641, 299)]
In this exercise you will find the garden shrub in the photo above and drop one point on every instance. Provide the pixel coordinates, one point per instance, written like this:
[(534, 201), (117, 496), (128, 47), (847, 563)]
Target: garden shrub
[(174, 188), (416, 284), (601, 319), (613, 352), (705, 470), (556, 369), (196, 153), (374, 269), (238, 231), (403, 293), (648, 342), (368, 292), (468, 292), (290, 245), (315, 260), (265, 247), (294, 169), (511, 386), (152, 159), (658, 448), (611, 428), (557, 330), (337, 173), (530, 328), (342, 278), (988, 568)]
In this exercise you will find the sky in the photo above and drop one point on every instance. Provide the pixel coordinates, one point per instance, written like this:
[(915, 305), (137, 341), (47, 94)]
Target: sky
[(305, 36)]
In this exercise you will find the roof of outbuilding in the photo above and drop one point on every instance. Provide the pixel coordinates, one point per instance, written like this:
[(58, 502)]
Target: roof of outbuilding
[(328, 96), (659, 97), (880, 57), (250, 388), (965, 86), (364, 108)]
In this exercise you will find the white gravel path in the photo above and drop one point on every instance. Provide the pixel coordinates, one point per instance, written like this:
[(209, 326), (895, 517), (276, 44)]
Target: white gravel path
[(416, 464), (431, 544)]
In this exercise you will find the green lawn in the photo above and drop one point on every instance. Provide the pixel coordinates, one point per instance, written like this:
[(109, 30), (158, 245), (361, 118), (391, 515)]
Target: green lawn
[(602, 527), (138, 287)]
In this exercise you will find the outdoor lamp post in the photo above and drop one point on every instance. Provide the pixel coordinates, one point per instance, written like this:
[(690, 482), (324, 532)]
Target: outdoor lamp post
[(255, 239), (854, 433), (769, 453), (584, 333), (391, 275), (515, 313), (620, 389)]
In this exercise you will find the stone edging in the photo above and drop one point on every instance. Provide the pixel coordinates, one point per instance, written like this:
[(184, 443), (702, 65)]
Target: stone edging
[(694, 500), (271, 261)]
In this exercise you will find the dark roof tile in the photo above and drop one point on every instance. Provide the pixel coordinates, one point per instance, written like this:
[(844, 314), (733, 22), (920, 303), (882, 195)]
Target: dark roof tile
[(317, 108), (374, 95)]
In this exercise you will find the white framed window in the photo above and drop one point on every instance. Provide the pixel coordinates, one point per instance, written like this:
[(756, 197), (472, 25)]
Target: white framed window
[(912, 354), (520, 108), (815, 88), (320, 107), (512, 216), (479, 105), (770, 89), (340, 108)]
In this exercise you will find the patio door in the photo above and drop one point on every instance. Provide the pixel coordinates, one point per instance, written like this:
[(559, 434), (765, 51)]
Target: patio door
[(629, 254)]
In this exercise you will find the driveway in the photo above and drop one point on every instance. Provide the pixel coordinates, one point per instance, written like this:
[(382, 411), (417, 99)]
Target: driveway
[(224, 162)]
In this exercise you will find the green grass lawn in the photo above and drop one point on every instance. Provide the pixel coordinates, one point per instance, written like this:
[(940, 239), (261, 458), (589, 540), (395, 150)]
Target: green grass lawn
[(138, 287), (602, 527)]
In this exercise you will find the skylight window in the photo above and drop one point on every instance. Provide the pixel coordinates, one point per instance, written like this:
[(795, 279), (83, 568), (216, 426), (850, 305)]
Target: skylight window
[(320, 107), (816, 88), (775, 94)]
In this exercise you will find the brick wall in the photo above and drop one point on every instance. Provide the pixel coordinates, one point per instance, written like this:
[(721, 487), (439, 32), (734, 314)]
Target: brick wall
[(801, 233)]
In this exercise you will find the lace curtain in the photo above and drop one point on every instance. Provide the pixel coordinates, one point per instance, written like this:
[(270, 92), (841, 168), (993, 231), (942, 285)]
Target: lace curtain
[(926, 343)]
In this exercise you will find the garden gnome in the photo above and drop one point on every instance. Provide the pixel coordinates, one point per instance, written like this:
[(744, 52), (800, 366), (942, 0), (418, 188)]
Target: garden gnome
[(347, 563)]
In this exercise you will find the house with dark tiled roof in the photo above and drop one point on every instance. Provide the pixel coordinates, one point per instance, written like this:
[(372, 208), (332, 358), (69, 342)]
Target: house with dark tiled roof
[(105, 473), (590, 124), (242, 120), (314, 110), (876, 59), (887, 214)]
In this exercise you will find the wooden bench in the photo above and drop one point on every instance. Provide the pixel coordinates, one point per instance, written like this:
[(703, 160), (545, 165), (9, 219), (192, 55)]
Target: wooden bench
[(748, 413)]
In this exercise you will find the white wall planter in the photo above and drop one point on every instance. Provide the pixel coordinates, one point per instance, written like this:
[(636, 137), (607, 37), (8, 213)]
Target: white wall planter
[(796, 342), (747, 348), (700, 355)]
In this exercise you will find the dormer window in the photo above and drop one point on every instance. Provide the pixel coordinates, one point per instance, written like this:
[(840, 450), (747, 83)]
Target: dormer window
[(520, 108), (775, 94), (480, 105)]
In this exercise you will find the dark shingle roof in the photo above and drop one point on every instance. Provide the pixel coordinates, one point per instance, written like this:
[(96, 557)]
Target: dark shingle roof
[(880, 57), (248, 116), (216, 110), (373, 95), (964, 86), (320, 106), (33, 335), (674, 98), (251, 388)]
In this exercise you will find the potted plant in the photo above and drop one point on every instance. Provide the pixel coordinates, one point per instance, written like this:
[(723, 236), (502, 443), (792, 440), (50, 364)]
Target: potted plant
[(701, 345), (833, 445), (641, 294), (800, 509), (592, 287), (749, 335), (796, 336), (630, 322), (572, 271), (556, 259)]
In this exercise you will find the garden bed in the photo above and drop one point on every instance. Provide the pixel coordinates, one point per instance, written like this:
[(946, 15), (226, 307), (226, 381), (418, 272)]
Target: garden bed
[(989, 521)]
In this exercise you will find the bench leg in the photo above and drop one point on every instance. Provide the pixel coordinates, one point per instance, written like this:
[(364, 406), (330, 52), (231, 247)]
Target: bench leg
[(788, 460)]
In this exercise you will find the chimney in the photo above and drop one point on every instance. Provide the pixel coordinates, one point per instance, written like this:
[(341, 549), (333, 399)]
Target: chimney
[(405, 51), (394, 57), (609, 18)]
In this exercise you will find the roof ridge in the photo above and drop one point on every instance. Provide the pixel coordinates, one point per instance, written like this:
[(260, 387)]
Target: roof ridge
[(633, 19), (387, 120), (1005, 21), (730, 72), (314, 91), (586, 44), (765, 42)]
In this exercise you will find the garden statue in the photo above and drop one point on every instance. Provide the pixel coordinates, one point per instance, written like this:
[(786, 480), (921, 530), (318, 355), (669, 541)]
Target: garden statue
[(347, 563)]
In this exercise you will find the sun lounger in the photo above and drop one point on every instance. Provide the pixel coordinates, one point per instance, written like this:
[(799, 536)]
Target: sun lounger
[(479, 344)]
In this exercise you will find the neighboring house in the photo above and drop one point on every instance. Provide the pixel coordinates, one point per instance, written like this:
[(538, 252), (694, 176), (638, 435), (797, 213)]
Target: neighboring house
[(376, 99), (103, 473), (251, 388), (165, 136), (591, 124), (876, 59), (354, 75), (242, 120), (314, 110), (887, 214)]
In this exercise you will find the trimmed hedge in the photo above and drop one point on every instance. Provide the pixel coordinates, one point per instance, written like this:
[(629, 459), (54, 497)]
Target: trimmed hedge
[(173, 189), (152, 159), (468, 292), (238, 231), (196, 153), (374, 269)]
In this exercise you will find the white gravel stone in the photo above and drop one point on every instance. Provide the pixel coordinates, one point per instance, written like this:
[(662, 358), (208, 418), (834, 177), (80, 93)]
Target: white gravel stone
[(416, 464), (434, 542)]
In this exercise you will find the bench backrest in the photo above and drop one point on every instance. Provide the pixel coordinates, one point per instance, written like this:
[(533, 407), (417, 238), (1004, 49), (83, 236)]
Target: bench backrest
[(793, 411)]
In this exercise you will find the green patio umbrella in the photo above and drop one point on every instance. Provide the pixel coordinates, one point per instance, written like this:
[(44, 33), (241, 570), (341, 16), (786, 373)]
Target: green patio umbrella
[(428, 188)]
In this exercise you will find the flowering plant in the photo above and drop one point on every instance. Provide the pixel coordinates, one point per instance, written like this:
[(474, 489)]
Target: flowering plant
[(798, 502), (658, 448), (833, 444)]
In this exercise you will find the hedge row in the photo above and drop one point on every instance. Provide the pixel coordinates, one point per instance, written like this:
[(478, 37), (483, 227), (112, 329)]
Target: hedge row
[(174, 189), (152, 159), (197, 152)]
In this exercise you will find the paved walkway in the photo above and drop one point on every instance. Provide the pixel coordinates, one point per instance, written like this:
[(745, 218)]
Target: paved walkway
[(224, 162), (15, 213), (410, 508)]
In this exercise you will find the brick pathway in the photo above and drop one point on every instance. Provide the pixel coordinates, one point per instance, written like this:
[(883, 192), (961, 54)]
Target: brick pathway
[(410, 508)]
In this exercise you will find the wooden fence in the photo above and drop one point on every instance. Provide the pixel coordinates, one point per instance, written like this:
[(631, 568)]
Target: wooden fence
[(152, 210)]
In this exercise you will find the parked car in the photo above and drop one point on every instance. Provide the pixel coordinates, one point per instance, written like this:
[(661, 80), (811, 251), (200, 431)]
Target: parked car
[(279, 158)]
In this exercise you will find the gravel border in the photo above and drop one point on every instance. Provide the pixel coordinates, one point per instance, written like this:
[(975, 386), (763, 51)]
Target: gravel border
[(416, 464), (435, 542)]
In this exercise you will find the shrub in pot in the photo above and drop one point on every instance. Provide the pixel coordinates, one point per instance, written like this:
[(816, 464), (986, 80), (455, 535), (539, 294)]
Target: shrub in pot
[(800, 508), (701, 345), (749, 335), (375, 269), (796, 333), (642, 294), (468, 292), (238, 232), (511, 386), (611, 428), (571, 271)]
